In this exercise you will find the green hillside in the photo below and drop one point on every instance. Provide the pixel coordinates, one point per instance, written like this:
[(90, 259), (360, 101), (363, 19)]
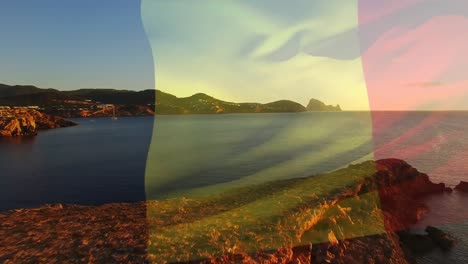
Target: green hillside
[(163, 103)]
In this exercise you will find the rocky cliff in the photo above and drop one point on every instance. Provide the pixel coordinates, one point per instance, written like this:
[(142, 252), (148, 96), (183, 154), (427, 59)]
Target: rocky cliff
[(356, 219), (26, 122), (18, 126), (399, 187)]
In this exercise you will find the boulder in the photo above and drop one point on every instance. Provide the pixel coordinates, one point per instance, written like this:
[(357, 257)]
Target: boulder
[(462, 186), (440, 238), (417, 243)]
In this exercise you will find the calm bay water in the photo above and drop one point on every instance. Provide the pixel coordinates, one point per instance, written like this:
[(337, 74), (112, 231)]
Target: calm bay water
[(200, 154), (103, 161), (98, 161)]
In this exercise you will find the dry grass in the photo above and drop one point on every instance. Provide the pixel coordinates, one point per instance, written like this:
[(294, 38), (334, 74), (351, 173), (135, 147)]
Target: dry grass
[(265, 217)]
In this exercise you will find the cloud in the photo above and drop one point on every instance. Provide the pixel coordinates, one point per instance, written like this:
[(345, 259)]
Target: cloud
[(287, 50), (256, 51)]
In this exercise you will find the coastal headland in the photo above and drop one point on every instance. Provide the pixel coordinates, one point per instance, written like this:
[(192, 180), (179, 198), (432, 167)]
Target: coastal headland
[(358, 214)]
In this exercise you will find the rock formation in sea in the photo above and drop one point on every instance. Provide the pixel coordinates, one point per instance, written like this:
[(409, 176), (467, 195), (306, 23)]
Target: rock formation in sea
[(416, 244), (316, 105), (443, 240), (361, 217), (26, 122)]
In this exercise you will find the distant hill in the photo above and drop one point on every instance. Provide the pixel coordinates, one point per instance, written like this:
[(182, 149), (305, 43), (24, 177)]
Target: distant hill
[(15, 90), (205, 104), (31, 95), (112, 96), (73, 103)]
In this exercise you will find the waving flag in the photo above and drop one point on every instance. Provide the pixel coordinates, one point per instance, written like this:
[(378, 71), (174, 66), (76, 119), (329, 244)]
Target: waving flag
[(371, 56), (250, 158)]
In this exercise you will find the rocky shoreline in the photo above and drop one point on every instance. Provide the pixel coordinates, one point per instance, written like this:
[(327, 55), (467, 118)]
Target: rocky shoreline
[(27, 122), (399, 188), (364, 222)]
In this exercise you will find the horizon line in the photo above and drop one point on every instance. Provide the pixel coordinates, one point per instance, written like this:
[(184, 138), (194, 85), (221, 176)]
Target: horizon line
[(342, 110)]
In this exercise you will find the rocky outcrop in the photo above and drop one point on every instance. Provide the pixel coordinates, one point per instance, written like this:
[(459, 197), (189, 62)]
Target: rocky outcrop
[(45, 121), (21, 126), (442, 239), (416, 244), (420, 244), (399, 186), (316, 105), (462, 186), (26, 122)]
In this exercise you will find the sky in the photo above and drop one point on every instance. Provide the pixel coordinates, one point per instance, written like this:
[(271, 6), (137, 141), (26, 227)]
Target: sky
[(379, 55), (67, 44), (415, 54), (254, 50), (367, 54)]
